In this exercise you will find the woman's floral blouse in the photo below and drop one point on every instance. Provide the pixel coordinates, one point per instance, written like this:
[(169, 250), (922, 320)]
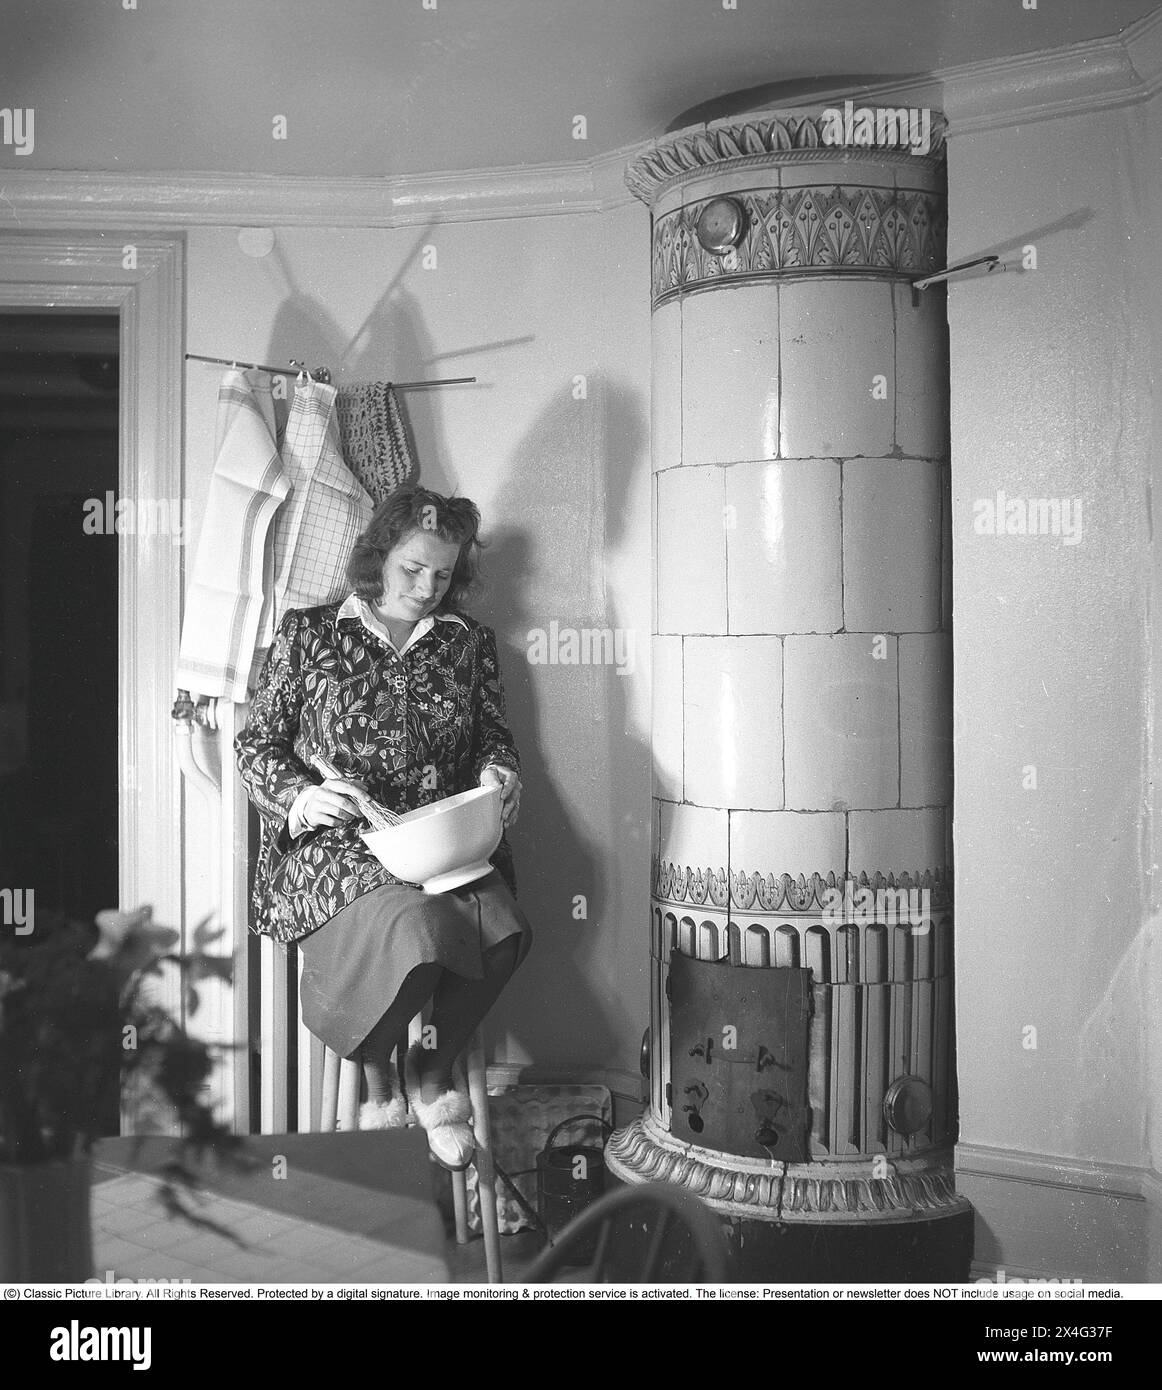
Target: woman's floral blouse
[(411, 729)]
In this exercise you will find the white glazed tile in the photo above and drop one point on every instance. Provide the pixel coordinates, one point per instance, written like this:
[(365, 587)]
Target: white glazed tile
[(853, 171), (670, 199), (891, 545), (895, 842), (787, 842), (693, 836), (784, 567), (761, 180), (840, 718), (925, 719), (666, 720), (921, 374), (691, 582), (666, 386), (911, 175), (654, 552), (732, 728), (730, 374), (944, 479), (836, 340)]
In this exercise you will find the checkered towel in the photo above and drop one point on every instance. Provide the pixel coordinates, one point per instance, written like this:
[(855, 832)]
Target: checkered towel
[(277, 534), (327, 508)]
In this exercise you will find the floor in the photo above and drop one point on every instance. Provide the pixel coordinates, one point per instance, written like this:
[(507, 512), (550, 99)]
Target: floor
[(134, 1238), (517, 1252), (355, 1212), (466, 1265)]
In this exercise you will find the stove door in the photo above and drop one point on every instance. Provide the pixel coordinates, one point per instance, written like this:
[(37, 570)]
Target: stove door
[(738, 1058)]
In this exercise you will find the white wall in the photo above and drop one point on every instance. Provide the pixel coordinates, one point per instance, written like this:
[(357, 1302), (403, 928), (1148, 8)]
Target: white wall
[(1150, 191), (1051, 377), (525, 305)]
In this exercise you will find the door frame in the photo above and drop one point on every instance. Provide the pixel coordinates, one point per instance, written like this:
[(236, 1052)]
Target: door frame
[(141, 278)]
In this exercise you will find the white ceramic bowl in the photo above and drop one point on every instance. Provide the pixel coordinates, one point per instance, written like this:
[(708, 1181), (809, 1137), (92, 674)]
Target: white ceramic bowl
[(443, 845)]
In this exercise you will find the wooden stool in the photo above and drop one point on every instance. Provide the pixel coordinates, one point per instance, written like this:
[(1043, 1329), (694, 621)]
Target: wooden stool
[(339, 1110)]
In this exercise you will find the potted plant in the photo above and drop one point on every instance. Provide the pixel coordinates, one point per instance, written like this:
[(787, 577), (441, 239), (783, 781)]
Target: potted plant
[(80, 1033)]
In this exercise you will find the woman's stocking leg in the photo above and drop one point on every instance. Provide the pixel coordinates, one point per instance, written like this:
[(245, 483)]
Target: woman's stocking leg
[(458, 1006), (390, 1032)]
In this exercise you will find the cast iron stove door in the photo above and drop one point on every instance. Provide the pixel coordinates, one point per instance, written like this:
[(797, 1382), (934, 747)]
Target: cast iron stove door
[(739, 1057)]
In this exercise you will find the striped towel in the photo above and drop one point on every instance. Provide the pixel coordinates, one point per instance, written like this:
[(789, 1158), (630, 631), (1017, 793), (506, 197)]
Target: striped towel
[(224, 605), (373, 438), (316, 530)]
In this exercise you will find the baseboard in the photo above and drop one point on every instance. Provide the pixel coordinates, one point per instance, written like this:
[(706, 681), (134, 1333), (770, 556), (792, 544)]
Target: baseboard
[(1039, 1216), (1152, 1192)]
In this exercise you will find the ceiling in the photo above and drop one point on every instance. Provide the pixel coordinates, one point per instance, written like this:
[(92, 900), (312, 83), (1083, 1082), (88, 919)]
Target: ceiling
[(388, 87)]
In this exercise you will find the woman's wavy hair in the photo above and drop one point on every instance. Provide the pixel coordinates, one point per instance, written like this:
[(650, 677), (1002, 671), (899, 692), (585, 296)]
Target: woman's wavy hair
[(414, 508)]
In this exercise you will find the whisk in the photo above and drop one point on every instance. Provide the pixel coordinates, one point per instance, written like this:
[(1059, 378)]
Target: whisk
[(378, 817)]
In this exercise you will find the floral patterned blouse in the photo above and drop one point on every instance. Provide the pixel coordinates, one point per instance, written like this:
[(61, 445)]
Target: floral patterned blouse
[(411, 728)]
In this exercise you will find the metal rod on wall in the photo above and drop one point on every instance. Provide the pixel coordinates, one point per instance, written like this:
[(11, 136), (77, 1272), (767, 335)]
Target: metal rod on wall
[(993, 263), (323, 375)]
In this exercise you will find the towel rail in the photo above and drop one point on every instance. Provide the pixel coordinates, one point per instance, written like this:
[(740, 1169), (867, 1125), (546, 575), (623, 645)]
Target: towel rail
[(322, 374)]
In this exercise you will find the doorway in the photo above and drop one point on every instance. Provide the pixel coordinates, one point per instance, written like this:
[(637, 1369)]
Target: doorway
[(121, 298), (59, 375)]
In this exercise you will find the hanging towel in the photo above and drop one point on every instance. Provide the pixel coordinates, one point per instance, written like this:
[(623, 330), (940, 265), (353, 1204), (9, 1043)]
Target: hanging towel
[(318, 526), (224, 605), (373, 438)]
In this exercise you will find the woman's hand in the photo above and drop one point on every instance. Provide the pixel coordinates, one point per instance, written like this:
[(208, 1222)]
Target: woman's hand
[(332, 803), (509, 783)]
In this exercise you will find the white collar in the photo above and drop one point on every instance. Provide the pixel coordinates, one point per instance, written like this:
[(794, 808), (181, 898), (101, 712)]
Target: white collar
[(355, 607)]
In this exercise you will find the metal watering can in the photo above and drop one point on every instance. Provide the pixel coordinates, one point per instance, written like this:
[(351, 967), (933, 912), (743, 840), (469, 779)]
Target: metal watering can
[(569, 1178)]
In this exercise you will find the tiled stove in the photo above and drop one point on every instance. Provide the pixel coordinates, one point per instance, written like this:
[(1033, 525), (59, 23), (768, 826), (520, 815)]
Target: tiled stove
[(802, 700)]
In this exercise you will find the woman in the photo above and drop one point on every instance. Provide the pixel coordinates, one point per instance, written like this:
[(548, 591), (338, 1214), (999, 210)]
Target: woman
[(400, 692)]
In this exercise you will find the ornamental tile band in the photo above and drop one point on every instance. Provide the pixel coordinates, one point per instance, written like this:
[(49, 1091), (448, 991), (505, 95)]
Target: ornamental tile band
[(785, 893), (733, 144), (918, 1185), (819, 229)]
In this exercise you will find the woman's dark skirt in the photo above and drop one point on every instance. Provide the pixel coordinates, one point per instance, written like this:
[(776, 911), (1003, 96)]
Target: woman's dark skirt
[(355, 963)]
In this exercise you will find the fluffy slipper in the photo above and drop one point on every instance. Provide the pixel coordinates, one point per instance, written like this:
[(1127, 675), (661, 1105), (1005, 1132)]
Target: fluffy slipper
[(445, 1119), (383, 1114)]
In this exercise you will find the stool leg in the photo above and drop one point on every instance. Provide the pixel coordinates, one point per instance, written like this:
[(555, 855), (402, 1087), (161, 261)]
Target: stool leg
[(460, 1180), (349, 1078), (329, 1105), (485, 1168), (460, 1204)]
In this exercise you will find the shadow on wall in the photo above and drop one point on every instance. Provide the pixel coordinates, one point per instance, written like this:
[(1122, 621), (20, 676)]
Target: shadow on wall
[(391, 344), (547, 534), (570, 475), (626, 450)]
